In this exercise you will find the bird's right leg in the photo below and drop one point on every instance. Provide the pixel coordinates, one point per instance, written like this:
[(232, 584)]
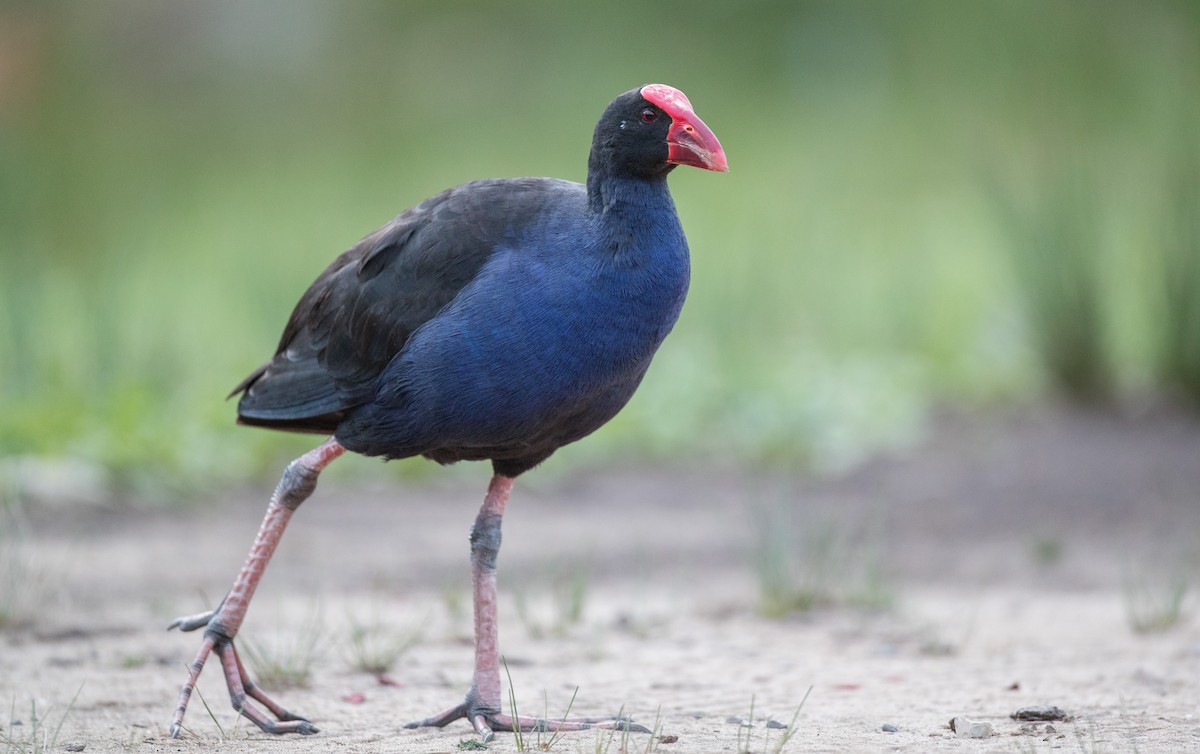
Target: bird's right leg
[(482, 706), (222, 624)]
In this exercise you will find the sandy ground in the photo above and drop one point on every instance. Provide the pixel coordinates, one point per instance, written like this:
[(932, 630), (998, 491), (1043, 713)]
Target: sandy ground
[(1006, 549)]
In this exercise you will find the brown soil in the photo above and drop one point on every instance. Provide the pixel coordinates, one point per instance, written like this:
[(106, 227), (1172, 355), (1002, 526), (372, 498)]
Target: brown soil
[(1010, 552)]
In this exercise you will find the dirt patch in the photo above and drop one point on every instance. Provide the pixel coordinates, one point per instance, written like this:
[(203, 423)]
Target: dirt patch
[(1009, 551)]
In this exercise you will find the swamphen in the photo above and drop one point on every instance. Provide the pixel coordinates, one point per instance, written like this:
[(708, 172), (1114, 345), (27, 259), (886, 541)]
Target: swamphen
[(498, 320)]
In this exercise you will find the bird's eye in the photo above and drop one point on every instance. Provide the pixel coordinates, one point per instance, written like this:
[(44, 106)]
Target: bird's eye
[(649, 116)]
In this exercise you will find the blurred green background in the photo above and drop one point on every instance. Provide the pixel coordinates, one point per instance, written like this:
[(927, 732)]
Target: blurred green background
[(966, 204)]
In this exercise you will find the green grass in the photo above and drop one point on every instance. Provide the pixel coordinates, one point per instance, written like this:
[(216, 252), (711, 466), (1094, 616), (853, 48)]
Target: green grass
[(374, 646), (745, 731), (1057, 244), (566, 596), (518, 734), (806, 563), (1155, 606), (34, 736), (606, 737), (285, 658), (546, 739), (1180, 271), (552, 738), (159, 220), (213, 716)]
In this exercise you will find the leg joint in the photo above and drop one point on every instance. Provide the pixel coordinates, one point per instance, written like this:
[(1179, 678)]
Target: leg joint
[(218, 633), (298, 482), (485, 541), (475, 705)]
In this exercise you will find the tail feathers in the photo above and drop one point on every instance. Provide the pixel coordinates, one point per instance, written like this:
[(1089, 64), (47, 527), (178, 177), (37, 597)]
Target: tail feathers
[(290, 396), (326, 424)]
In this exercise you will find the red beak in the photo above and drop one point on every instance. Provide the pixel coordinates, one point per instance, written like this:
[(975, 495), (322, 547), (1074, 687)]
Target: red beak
[(689, 141)]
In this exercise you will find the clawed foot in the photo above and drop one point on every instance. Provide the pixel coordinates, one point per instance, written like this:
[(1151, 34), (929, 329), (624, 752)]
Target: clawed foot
[(486, 720), (236, 678)]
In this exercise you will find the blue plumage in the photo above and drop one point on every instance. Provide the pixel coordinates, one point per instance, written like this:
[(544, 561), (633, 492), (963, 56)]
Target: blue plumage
[(543, 346), (498, 320)]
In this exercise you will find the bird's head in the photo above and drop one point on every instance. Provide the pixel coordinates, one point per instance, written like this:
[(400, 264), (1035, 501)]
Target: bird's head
[(649, 130)]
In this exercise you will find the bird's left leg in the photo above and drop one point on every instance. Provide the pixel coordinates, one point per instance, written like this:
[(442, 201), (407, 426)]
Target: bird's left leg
[(482, 705), (222, 624)]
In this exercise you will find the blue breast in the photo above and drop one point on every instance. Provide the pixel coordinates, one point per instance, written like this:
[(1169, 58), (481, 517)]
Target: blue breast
[(546, 344)]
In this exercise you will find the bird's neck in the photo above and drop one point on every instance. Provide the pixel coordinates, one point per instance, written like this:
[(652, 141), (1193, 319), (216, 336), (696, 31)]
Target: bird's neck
[(623, 202), (612, 185)]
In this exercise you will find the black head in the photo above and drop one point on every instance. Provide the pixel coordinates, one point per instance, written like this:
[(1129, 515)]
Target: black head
[(647, 131)]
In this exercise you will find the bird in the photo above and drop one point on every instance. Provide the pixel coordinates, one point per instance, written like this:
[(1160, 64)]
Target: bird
[(496, 321)]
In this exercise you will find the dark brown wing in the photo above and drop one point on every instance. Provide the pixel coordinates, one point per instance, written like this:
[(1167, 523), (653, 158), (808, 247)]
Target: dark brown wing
[(364, 307)]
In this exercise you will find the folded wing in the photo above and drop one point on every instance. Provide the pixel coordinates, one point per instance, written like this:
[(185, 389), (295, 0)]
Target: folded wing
[(363, 308)]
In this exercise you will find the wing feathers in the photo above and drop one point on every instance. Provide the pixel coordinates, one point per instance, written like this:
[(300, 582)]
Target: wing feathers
[(362, 309)]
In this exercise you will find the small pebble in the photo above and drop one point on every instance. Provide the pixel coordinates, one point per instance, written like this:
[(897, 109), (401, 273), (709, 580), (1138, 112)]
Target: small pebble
[(734, 720), (667, 739), (776, 725), (1040, 712), (979, 730), (964, 728), (75, 746), (889, 728)]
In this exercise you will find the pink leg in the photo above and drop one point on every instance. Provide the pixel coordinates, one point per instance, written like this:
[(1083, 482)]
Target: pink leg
[(222, 624), (482, 705)]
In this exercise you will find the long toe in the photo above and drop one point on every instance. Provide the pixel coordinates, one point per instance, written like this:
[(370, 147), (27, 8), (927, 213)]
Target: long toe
[(486, 722), (441, 719), (242, 692), (550, 725), (192, 622), (303, 727)]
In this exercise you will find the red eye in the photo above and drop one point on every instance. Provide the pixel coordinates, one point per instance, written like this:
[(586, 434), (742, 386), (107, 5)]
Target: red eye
[(649, 116)]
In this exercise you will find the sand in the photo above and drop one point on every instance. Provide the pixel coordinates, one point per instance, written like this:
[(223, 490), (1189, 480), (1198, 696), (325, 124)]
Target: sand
[(1006, 555)]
